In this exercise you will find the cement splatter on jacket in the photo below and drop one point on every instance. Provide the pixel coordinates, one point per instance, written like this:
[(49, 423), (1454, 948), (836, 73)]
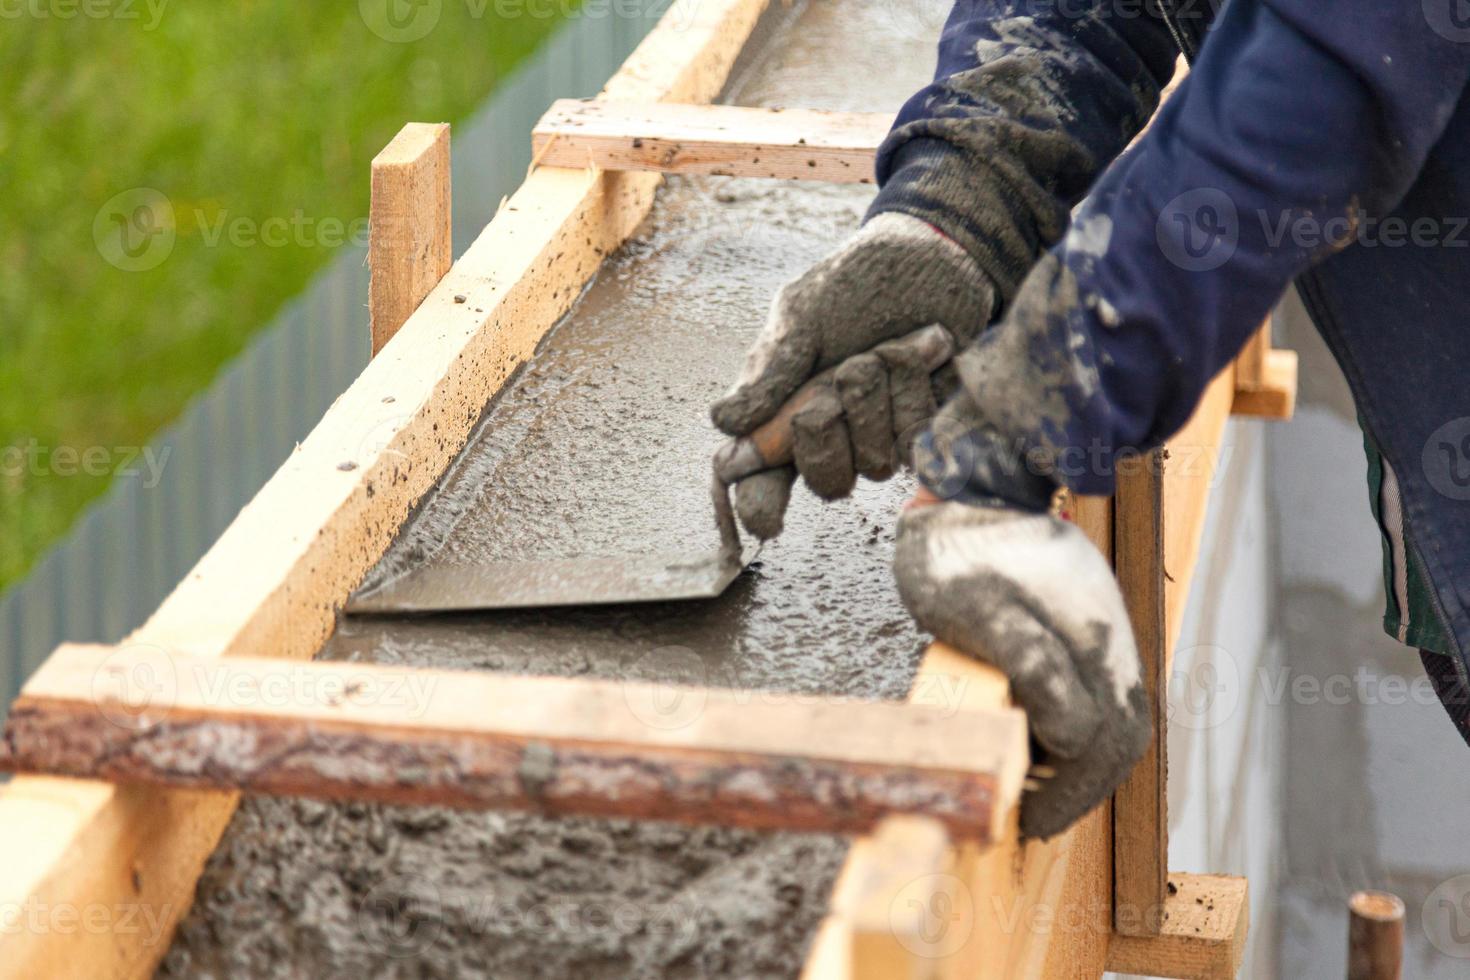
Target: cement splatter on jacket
[(1305, 126)]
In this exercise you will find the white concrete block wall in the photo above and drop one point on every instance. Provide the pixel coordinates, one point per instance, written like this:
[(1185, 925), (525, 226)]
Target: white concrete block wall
[(1377, 782)]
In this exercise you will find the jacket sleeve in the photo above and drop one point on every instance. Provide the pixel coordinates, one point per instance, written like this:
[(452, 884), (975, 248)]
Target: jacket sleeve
[(1030, 101), (1302, 124)]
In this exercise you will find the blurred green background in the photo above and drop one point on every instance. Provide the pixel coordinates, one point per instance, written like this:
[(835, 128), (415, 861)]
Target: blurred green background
[(250, 127)]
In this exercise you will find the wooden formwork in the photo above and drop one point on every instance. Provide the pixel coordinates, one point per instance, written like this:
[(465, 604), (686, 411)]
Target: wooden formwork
[(273, 583)]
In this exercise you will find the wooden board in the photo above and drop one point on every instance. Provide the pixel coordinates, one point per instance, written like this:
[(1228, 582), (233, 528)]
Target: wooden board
[(1202, 936), (276, 577), (552, 745), (732, 141), (1190, 473), (410, 239), (1140, 805), (1161, 519), (1275, 396)]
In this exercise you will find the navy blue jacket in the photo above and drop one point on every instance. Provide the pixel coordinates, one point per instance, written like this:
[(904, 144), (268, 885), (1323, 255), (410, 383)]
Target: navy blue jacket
[(1310, 141)]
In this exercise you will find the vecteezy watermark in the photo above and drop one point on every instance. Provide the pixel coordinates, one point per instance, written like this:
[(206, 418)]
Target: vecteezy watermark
[(1204, 687), (1207, 687), (670, 688), (147, 13), (1199, 230), (933, 916), (1445, 917), (32, 458), (137, 230), (37, 918), (401, 916), (135, 686), (404, 915), (1450, 19), (1310, 232), (1202, 229), (1446, 459), (407, 21)]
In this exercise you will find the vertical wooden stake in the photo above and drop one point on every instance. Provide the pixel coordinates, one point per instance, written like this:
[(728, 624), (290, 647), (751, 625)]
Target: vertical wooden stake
[(409, 242), (1250, 364), (1375, 936), (1140, 806)]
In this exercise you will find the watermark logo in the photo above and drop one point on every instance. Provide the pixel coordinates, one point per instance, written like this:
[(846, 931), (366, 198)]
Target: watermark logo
[(401, 916), (119, 10), (933, 916), (1204, 689), (136, 230), (1446, 917), (677, 698), (379, 439), (1446, 459), (401, 21), (915, 20), (33, 459), (1450, 19), (134, 685), (1199, 230)]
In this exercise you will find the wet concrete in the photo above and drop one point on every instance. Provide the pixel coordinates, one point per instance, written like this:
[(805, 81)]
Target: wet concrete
[(601, 447)]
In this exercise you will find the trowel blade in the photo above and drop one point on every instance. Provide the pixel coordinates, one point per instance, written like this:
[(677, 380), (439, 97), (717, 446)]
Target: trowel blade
[(563, 582)]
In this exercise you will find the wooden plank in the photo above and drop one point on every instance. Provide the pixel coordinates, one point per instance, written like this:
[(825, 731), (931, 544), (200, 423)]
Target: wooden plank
[(275, 578), (410, 239), (552, 745), (1250, 363), (1202, 935), (1140, 805), (1265, 378), (1275, 397), (731, 141), (995, 913), (1161, 519), (1190, 473), (888, 894)]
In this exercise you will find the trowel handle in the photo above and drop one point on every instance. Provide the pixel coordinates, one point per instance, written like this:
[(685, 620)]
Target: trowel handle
[(770, 445)]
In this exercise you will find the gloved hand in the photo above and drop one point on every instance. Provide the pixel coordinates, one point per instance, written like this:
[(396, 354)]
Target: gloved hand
[(896, 275), (1029, 594)]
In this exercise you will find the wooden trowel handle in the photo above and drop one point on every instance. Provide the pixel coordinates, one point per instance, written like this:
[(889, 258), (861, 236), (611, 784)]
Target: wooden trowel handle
[(770, 445)]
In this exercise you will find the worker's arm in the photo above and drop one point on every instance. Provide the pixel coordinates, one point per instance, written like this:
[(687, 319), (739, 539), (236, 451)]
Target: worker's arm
[(1302, 121), (1031, 101)]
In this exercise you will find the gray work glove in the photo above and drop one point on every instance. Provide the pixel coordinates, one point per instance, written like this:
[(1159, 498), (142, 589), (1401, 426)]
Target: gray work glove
[(1029, 594), (896, 275)]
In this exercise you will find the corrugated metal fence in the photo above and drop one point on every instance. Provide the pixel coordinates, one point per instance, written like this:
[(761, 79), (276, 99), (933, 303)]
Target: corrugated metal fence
[(130, 548)]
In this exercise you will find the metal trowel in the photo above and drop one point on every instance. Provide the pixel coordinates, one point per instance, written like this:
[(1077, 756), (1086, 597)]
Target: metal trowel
[(630, 578)]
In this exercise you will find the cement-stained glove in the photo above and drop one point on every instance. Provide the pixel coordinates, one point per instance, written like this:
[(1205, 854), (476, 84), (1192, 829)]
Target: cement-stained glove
[(896, 275), (1029, 594)]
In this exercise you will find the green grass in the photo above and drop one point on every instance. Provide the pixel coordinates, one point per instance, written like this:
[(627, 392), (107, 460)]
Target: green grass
[(254, 110)]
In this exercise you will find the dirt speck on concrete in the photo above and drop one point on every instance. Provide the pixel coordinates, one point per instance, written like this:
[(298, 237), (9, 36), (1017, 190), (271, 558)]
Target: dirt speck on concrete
[(601, 446)]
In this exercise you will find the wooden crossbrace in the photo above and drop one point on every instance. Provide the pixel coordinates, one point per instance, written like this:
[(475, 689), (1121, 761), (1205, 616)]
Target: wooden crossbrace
[(552, 745), (802, 144), (1265, 379), (722, 140)]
